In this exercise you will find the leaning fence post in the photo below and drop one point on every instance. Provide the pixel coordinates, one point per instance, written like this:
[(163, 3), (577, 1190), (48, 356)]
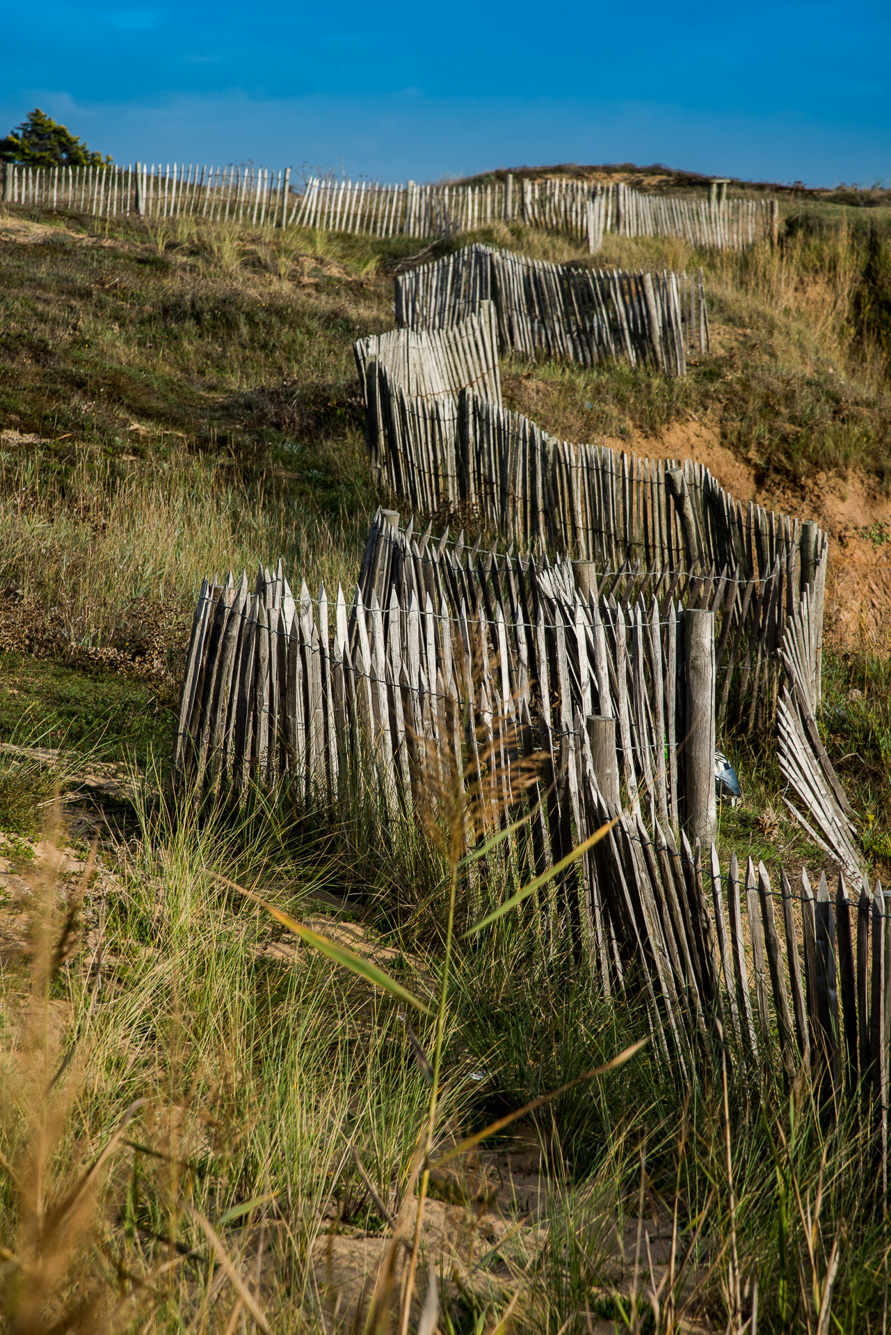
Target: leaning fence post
[(701, 819), (677, 486), (602, 737)]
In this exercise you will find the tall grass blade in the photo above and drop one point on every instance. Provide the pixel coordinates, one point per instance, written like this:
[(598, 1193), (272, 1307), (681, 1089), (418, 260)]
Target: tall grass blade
[(346, 958), (232, 1274), (500, 1123), (541, 880)]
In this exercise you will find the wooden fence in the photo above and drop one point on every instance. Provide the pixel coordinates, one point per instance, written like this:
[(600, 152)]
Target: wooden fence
[(751, 615), (803, 760), (731, 224), (463, 457), (555, 717), (433, 367), (310, 692), (260, 196), (532, 636), (582, 315)]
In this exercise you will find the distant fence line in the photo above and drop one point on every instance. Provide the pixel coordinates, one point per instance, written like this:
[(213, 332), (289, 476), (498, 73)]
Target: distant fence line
[(582, 315), (261, 196)]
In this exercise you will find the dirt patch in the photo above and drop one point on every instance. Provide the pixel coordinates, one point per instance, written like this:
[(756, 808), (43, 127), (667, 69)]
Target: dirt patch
[(483, 1227), (854, 511), (692, 440)]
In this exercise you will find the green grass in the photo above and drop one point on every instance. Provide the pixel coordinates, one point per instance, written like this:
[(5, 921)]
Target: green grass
[(105, 715), (798, 376), (26, 790), (262, 1064)]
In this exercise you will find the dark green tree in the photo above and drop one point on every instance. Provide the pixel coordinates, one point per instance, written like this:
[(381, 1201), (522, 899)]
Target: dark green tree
[(42, 142)]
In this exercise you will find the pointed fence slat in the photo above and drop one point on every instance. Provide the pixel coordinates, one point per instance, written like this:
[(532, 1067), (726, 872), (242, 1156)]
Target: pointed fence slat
[(405, 685)]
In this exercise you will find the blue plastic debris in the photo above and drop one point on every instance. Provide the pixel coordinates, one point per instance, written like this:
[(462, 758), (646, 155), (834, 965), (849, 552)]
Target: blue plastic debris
[(727, 787)]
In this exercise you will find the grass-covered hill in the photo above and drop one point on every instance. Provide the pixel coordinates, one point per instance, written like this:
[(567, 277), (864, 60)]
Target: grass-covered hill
[(179, 399)]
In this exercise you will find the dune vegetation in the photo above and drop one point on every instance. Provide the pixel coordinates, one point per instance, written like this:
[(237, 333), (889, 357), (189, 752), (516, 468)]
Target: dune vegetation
[(255, 1072)]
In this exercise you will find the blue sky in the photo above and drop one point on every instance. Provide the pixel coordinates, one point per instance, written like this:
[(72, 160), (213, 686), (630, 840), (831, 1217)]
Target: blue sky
[(781, 91)]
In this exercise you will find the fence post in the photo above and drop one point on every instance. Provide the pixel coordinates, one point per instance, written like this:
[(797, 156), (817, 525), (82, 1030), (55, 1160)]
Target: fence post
[(602, 737), (286, 188), (594, 223), (774, 222), (700, 810), (810, 538), (585, 578), (653, 321), (6, 168), (140, 191)]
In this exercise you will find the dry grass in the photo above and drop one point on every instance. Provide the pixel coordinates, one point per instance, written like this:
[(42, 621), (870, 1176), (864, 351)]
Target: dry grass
[(193, 395), (106, 543)]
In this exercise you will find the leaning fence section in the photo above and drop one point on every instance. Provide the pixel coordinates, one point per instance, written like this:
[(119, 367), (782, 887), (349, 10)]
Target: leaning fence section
[(557, 714), (261, 196), (576, 314), (444, 648), (432, 366)]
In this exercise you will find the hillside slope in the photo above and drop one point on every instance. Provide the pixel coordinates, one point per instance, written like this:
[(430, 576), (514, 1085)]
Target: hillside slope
[(178, 400)]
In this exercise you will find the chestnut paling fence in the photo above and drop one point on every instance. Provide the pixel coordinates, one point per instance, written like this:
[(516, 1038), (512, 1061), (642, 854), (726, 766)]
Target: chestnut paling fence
[(566, 696), (557, 711), (562, 310), (262, 196), (438, 436)]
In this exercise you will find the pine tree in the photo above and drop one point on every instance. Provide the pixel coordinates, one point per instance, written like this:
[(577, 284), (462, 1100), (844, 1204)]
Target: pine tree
[(41, 142)]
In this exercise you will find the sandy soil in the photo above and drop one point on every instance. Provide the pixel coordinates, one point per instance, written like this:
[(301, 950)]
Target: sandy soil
[(855, 513)]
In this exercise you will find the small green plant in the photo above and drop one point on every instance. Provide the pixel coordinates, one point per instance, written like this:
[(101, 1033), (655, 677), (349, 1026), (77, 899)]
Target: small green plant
[(878, 533), (25, 791)]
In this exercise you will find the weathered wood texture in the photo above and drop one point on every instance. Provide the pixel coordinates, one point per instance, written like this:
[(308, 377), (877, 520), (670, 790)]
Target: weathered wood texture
[(619, 651), (569, 709), (458, 456), (259, 196), (391, 699), (829, 819), (481, 635), (581, 315)]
